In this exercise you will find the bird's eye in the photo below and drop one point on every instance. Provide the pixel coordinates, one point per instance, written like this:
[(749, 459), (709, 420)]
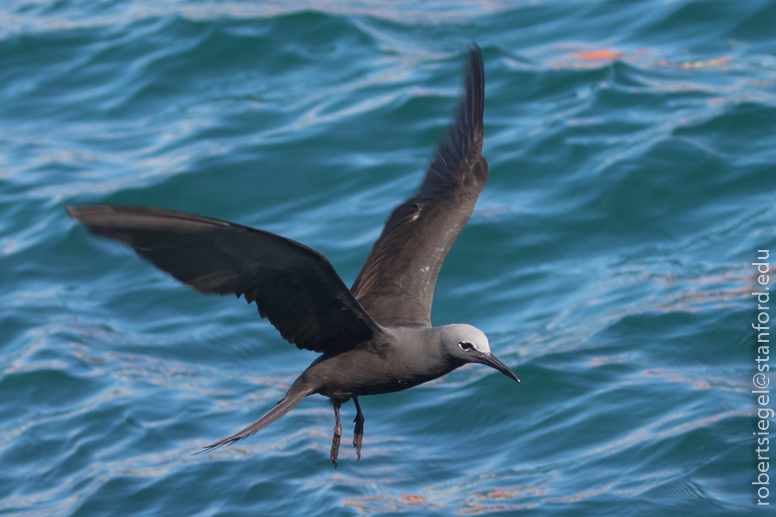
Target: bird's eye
[(465, 345)]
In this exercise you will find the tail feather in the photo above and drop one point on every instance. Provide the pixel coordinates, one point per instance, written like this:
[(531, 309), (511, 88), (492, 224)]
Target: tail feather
[(283, 407)]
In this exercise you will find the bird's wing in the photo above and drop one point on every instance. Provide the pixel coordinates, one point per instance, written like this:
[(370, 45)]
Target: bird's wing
[(396, 283), (295, 287)]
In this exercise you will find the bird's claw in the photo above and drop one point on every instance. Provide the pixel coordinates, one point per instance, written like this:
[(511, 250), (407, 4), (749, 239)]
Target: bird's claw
[(335, 443), (358, 435)]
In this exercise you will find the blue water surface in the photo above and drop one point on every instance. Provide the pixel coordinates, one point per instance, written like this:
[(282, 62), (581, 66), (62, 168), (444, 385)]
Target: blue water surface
[(632, 151)]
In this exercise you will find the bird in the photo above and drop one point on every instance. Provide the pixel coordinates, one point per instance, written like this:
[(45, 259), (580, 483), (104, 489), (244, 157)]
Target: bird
[(373, 338)]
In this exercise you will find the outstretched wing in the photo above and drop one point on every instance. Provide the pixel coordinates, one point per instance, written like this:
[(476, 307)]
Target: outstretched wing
[(396, 283), (295, 287)]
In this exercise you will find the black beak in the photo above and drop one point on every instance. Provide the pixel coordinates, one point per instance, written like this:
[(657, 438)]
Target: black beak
[(490, 360)]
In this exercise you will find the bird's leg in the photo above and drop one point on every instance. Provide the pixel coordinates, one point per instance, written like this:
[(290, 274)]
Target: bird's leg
[(358, 435), (335, 441)]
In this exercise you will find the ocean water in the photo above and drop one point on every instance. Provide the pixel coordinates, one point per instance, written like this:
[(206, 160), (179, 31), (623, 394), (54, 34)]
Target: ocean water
[(632, 151)]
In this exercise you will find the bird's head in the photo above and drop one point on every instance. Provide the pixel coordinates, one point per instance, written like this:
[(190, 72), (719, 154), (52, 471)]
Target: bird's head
[(470, 345)]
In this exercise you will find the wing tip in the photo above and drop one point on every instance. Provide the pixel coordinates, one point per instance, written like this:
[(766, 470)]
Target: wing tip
[(474, 84), (79, 212), (463, 141), (466, 133)]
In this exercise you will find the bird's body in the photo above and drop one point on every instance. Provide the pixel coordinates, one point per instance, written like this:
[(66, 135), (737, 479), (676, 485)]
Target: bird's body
[(392, 362), (374, 338)]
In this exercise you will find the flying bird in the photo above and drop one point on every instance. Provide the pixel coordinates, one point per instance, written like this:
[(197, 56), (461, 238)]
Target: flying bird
[(375, 337)]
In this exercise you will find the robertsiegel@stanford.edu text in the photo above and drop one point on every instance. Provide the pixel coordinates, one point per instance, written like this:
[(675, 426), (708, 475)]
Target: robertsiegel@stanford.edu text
[(761, 379)]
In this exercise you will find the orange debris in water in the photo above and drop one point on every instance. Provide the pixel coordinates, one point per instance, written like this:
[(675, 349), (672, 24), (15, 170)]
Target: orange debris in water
[(604, 53), (412, 499)]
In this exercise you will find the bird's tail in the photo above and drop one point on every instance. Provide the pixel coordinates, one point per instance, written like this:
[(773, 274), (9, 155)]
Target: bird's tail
[(293, 397)]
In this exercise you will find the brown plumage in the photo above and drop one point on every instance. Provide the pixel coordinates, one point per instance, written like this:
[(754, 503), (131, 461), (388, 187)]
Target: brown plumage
[(396, 283), (374, 338)]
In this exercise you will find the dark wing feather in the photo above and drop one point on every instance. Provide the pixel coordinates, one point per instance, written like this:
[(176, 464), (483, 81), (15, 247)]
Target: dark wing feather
[(396, 283), (295, 287)]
